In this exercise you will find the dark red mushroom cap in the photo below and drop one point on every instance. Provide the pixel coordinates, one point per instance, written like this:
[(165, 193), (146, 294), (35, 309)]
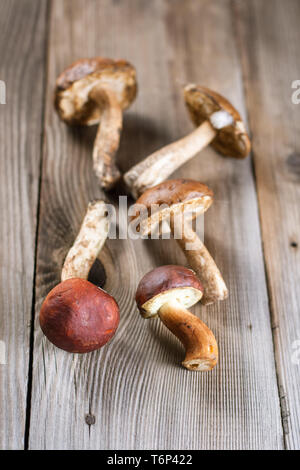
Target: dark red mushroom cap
[(231, 140), (78, 316), (164, 284), (73, 86)]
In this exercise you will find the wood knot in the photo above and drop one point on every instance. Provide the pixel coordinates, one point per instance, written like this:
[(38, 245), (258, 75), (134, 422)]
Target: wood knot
[(90, 419)]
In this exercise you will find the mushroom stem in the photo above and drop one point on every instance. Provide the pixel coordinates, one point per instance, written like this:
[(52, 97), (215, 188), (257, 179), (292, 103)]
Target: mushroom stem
[(162, 163), (108, 136), (89, 241), (202, 263), (201, 349)]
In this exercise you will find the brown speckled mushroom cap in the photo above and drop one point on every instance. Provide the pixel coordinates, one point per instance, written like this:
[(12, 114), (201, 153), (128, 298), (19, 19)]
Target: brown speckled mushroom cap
[(172, 196), (164, 284), (74, 85), (231, 140)]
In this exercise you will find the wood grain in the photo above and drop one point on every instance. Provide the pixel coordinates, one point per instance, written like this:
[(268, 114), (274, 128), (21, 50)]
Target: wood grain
[(22, 49), (270, 51), (134, 391)]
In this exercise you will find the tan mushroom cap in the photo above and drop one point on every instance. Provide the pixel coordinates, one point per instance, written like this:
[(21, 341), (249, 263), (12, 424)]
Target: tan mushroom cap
[(74, 85), (231, 140), (174, 197), (167, 283)]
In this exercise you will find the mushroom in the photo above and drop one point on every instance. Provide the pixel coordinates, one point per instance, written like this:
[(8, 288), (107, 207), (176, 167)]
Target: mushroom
[(76, 315), (93, 91), (218, 123), (175, 201), (168, 291)]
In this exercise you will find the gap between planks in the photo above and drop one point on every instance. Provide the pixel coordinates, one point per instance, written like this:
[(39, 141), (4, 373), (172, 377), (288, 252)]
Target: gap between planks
[(31, 336)]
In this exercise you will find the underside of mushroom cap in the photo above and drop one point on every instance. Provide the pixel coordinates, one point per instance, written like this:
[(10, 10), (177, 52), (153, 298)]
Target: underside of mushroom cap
[(73, 86), (172, 197), (165, 284), (232, 140)]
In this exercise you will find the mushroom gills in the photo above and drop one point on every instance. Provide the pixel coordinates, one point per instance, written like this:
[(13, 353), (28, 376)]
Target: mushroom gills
[(184, 296), (74, 99)]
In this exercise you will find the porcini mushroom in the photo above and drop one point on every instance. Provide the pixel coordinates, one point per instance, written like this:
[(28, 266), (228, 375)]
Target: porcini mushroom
[(170, 201), (168, 291), (218, 123), (76, 315), (93, 91)]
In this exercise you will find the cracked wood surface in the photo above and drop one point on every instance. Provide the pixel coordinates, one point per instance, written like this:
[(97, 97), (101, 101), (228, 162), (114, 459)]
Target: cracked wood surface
[(133, 394)]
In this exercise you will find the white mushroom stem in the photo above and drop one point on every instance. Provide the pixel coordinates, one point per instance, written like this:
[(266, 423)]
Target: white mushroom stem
[(202, 263), (89, 242), (162, 163), (108, 136), (201, 349)]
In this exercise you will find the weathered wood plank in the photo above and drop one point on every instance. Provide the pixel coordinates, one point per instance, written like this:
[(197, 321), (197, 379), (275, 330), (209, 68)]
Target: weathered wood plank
[(139, 396), (270, 37), (22, 48)]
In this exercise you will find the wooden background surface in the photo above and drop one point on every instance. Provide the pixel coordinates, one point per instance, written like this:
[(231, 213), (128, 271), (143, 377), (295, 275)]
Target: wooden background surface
[(132, 394)]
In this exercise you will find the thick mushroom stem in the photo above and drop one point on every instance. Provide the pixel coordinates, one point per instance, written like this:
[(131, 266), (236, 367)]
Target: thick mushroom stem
[(89, 241), (161, 164), (202, 263), (201, 349), (108, 136)]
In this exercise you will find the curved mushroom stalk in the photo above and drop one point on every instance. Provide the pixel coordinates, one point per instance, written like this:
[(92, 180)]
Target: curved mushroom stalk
[(202, 263), (168, 291), (89, 242), (201, 349), (108, 136), (218, 123)]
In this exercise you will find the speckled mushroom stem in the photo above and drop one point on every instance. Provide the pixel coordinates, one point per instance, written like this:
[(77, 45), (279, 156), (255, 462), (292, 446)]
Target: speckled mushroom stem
[(202, 263), (89, 242), (162, 163), (108, 136), (201, 349)]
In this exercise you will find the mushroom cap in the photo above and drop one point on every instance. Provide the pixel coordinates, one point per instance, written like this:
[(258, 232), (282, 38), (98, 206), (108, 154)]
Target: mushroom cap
[(165, 284), (174, 197), (231, 140), (73, 86), (78, 316)]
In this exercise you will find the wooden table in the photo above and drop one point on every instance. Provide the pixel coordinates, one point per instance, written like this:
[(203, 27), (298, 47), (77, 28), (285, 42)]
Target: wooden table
[(132, 394)]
